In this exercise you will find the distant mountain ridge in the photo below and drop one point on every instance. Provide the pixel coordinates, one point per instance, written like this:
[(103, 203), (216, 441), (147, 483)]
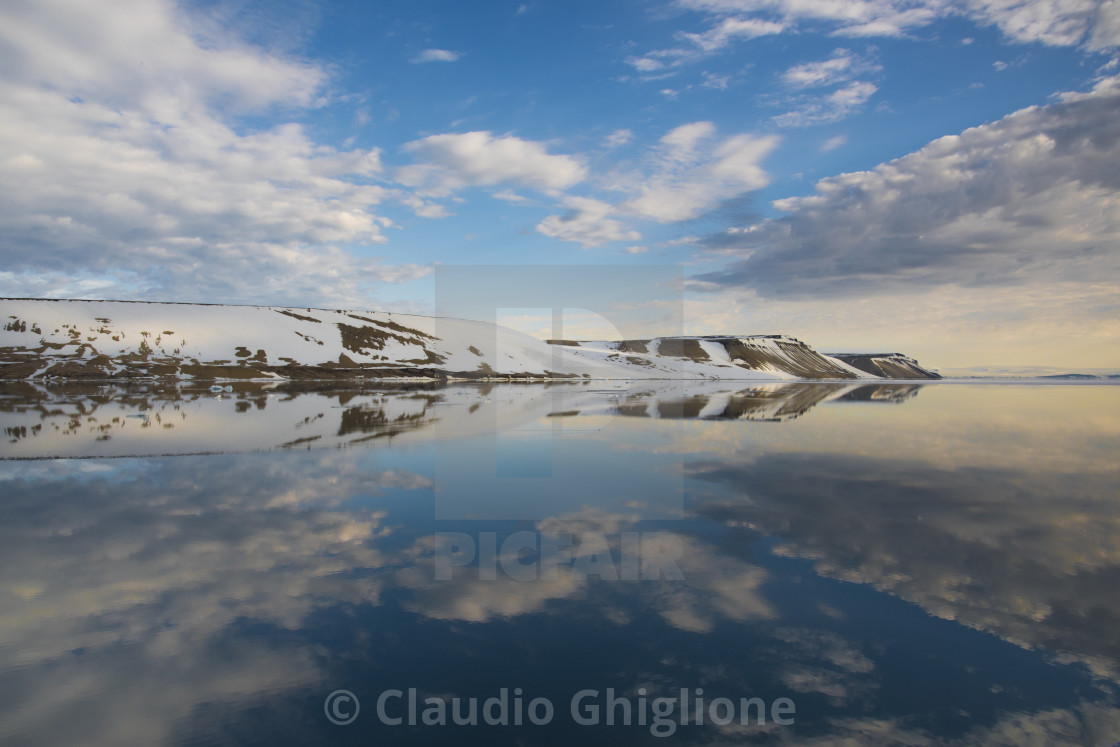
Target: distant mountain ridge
[(43, 339)]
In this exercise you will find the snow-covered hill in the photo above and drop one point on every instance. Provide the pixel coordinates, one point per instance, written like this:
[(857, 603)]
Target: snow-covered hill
[(131, 340)]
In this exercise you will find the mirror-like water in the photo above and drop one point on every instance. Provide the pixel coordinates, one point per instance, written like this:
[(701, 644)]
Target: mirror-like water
[(808, 563)]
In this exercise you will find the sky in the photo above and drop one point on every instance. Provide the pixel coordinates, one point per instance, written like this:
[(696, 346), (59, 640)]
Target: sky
[(923, 176)]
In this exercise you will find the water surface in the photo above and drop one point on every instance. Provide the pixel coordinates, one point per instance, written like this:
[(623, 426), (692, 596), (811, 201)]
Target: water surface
[(906, 563)]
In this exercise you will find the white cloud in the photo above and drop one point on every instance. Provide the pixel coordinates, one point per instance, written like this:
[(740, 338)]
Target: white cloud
[(143, 54), (453, 161), (618, 138), (852, 95), (732, 29), (828, 108), (817, 108), (510, 196), (833, 143), (716, 82), (1105, 33), (120, 170), (645, 64), (588, 222), (436, 55), (680, 143), (852, 18), (691, 172), (1032, 197), (823, 73), (703, 44), (1093, 22), (1055, 23)]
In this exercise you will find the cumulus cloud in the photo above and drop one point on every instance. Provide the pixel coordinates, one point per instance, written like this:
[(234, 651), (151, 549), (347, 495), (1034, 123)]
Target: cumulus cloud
[(121, 174), (144, 55), (588, 223), (1032, 196), (436, 55), (450, 162)]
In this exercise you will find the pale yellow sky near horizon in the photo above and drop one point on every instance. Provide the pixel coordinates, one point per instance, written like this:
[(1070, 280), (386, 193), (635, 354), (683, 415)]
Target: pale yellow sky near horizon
[(1054, 326)]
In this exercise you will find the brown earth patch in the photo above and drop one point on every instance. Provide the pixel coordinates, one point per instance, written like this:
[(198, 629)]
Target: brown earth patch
[(394, 327), (675, 347), (682, 409), (636, 410), (298, 442), (633, 346), (362, 340), (294, 315)]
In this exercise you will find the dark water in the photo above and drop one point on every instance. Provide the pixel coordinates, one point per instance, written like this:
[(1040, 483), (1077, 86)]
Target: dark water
[(878, 564)]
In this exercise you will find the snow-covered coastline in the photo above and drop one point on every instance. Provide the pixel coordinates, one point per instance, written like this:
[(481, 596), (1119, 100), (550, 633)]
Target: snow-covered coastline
[(122, 340)]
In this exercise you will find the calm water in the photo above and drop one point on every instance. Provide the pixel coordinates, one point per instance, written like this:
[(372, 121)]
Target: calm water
[(882, 564)]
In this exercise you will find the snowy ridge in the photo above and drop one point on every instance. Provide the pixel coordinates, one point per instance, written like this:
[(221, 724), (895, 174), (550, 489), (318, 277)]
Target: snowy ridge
[(97, 340)]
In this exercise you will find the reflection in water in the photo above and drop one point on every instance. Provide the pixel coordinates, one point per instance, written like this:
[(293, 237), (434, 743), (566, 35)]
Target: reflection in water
[(940, 572), (82, 421)]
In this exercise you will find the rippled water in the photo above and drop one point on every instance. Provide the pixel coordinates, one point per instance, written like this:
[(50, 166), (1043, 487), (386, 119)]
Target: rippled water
[(902, 564)]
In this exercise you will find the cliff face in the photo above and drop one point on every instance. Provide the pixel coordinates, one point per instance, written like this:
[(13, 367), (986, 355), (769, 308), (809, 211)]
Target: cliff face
[(96, 340), (886, 365), (777, 355)]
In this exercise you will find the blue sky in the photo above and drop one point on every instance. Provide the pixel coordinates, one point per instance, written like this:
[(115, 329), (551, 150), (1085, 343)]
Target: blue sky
[(935, 177)]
